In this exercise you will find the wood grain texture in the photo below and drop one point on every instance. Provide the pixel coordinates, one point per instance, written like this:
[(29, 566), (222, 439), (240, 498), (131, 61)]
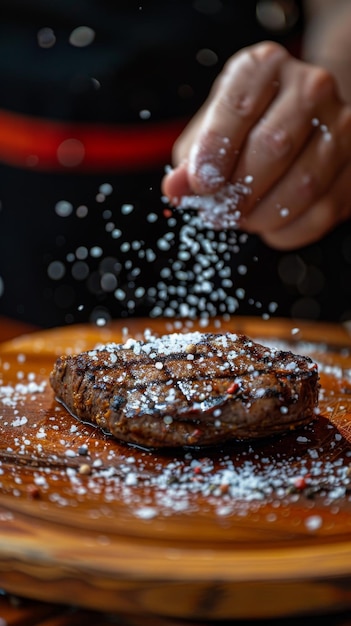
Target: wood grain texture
[(251, 530)]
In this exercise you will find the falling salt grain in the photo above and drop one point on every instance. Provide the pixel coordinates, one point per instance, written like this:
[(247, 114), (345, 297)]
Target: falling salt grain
[(63, 208), (152, 217), (240, 293), (82, 36), (101, 321), (144, 114), (70, 152), (116, 233), (96, 252), (295, 331), (206, 57), (126, 209), (106, 189), (46, 38), (96, 83)]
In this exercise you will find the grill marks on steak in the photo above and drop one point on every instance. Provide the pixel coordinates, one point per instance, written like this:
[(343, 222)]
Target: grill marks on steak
[(188, 389)]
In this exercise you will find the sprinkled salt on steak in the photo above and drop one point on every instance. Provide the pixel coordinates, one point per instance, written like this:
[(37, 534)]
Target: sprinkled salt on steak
[(188, 389)]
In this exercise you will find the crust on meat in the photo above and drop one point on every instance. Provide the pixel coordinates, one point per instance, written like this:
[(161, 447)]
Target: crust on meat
[(188, 389)]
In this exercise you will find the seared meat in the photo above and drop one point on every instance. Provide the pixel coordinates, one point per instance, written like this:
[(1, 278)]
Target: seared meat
[(188, 389)]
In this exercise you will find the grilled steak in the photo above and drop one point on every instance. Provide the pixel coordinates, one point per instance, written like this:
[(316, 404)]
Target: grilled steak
[(188, 389)]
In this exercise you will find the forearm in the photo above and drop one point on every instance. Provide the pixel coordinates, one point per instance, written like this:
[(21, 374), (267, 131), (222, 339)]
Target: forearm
[(328, 41)]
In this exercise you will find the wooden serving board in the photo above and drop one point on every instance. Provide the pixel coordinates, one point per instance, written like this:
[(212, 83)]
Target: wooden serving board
[(256, 529)]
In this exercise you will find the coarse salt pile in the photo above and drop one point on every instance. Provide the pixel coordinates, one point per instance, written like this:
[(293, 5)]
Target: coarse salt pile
[(220, 209)]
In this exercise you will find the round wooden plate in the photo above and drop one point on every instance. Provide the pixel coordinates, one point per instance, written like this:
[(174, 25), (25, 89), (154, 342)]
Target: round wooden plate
[(255, 529)]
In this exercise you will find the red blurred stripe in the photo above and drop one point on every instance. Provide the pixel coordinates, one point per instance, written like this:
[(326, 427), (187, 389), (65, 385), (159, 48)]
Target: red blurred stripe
[(34, 143)]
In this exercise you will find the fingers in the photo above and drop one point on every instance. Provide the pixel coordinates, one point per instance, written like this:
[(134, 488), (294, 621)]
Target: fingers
[(239, 98), (284, 134), (256, 120), (268, 150), (310, 177), (329, 210)]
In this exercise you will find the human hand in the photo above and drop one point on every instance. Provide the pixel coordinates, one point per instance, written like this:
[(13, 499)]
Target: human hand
[(269, 151)]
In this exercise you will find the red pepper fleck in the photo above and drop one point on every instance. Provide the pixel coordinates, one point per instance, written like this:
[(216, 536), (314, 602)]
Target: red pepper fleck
[(167, 213), (233, 388), (300, 483), (33, 492), (192, 439)]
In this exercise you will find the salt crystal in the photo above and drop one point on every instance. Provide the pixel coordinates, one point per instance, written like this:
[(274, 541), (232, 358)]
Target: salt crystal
[(146, 512), (313, 522), (20, 421), (70, 453), (126, 209), (294, 331)]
